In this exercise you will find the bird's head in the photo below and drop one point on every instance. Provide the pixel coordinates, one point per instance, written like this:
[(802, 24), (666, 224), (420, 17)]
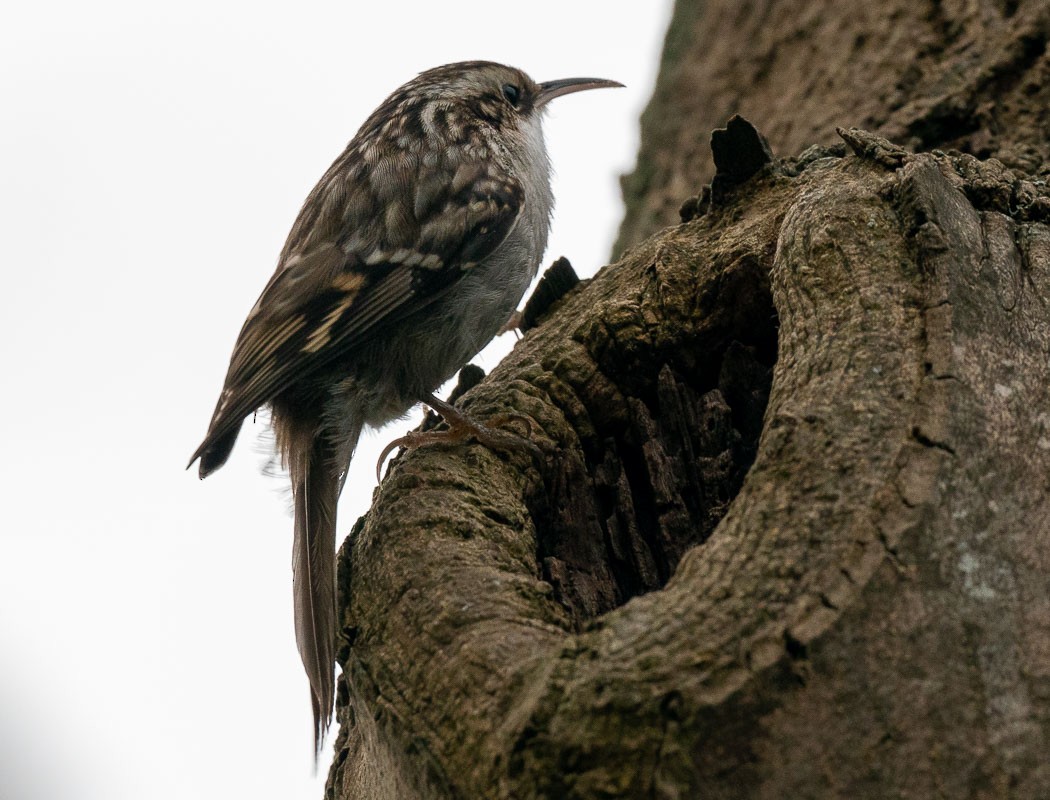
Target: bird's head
[(461, 95)]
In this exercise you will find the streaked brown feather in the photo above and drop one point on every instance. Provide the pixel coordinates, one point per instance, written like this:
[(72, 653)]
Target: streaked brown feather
[(272, 350), (424, 211)]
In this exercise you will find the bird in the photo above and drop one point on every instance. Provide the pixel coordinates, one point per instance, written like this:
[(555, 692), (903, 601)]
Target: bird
[(409, 255)]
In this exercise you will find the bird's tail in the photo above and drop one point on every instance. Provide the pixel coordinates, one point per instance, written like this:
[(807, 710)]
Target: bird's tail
[(315, 487)]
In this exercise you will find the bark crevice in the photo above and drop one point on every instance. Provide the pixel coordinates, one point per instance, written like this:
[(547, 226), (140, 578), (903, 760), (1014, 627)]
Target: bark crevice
[(792, 407)]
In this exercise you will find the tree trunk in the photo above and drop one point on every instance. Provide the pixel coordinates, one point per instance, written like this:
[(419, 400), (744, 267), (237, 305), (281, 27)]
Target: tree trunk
[(790, 535), (966, 74)]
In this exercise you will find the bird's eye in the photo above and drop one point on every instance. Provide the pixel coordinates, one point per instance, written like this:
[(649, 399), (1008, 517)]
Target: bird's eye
[(512, 93)]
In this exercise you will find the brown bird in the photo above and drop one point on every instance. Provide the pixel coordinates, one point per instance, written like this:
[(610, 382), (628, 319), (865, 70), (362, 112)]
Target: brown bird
[(412, 251)]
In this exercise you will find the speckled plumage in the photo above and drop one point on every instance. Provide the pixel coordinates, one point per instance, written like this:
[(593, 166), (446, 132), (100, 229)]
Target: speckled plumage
[(408, 256)]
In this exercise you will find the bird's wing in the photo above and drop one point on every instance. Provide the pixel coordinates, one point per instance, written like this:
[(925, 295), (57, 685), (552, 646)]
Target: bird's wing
[(340, 292)]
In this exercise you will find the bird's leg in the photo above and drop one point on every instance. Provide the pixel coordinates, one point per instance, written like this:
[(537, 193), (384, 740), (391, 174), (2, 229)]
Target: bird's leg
[(462, 428)]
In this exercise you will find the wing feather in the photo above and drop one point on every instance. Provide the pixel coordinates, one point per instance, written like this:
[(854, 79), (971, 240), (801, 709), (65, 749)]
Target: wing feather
[(328, 299)]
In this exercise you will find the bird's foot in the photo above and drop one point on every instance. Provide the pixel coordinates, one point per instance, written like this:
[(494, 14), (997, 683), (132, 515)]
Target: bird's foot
[(462, 428)]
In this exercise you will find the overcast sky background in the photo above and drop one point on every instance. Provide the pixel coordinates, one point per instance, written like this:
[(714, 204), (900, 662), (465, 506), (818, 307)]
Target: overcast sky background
[(152, 159)]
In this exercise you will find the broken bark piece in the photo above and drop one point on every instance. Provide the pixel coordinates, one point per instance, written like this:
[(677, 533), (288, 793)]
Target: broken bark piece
[(739, 152), (873, 147), (556, 282), (696, 206)]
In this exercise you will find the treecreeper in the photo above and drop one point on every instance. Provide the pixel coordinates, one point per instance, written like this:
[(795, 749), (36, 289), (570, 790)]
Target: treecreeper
[(407, 258)]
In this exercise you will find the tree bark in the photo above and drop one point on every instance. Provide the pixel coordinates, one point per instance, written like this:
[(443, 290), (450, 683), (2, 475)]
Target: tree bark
[(790, 535), (966, 74)]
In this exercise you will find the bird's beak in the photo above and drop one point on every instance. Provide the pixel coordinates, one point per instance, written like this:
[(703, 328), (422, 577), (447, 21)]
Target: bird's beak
[(551, 89)]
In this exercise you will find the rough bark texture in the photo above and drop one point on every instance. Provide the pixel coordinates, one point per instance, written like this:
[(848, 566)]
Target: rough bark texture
[(791, 534), (927, 74)]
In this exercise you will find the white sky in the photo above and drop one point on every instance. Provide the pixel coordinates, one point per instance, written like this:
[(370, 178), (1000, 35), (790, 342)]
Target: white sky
[(152, 159)]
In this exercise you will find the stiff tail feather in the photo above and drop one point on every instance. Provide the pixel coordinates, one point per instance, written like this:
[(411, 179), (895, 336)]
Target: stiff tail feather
[(214, 452), (315, 486)]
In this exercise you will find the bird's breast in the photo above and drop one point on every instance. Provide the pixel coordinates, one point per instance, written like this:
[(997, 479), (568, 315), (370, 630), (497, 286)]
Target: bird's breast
[(390, 374)]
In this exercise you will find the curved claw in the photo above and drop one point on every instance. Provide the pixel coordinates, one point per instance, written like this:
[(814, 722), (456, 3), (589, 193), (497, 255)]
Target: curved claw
[(410, 440), (462, 428), (382, 456)]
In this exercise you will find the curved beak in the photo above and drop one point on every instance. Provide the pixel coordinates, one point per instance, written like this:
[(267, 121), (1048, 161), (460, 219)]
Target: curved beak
[(551, 89)]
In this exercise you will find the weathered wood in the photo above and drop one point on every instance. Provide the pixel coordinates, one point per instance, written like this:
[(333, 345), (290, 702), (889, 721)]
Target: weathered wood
[(791, 535), (972, 76), (869, 618)]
